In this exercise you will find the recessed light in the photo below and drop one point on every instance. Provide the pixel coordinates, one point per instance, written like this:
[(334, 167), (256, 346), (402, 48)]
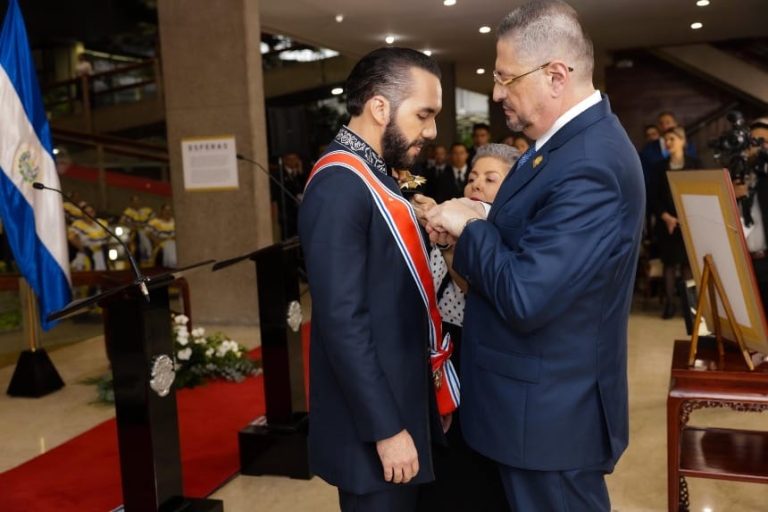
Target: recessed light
[(702, 3), (336, 91), (55, 151), (480, 71), (339, 18), (485, 29), (696, 25), (389, 39), (428, 53), (449, 2)]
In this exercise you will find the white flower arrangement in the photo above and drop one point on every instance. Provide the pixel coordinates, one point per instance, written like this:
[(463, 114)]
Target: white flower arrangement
[(200, 356)]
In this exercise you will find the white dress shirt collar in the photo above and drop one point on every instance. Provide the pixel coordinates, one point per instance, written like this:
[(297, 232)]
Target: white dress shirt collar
[(592, 99)]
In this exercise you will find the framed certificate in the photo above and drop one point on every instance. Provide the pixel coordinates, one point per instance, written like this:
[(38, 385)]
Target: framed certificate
[(711, 225)]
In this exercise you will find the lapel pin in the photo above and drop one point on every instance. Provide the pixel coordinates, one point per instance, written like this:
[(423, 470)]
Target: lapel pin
[(537, 161)]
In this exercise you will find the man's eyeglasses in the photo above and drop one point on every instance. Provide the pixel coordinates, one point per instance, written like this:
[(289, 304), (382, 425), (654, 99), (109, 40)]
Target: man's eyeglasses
[(502, 82)]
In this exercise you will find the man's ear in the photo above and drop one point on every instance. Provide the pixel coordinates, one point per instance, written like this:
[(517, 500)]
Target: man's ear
[(557, 73), (380, 109)]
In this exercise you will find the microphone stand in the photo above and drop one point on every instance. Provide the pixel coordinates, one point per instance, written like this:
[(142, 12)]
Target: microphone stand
[(141, 280), (274, 180)]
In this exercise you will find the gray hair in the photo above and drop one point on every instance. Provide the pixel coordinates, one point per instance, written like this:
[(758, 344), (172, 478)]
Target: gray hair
[(503, 152), (546, 30)]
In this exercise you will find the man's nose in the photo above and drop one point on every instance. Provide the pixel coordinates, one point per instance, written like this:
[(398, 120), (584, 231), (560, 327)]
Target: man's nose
[(499, 92)]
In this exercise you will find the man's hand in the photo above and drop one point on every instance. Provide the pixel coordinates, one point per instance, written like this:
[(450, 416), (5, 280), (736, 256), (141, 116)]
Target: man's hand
[(421, 205), (740, 189), (477, 206), (451, 217), (398, 458)]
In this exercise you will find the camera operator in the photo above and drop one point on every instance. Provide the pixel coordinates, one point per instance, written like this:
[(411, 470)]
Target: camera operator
[(752, 193)]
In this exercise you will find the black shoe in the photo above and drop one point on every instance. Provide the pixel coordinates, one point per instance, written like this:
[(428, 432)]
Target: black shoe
[(669, 311)]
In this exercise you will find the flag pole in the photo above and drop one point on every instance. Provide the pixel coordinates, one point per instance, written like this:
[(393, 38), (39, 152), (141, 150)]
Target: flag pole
[(35, 375), (30, 318)]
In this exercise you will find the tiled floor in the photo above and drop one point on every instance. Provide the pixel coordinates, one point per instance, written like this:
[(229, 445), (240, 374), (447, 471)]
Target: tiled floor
[(28, 427)]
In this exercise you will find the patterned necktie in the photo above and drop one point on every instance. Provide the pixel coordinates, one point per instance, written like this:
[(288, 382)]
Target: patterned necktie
[(525, 157)]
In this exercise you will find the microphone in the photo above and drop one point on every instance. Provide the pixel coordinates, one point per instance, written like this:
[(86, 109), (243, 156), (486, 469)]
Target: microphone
[(274, 180), (141, 280)]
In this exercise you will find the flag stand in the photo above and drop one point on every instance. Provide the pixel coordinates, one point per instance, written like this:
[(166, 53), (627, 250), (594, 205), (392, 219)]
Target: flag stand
[(35, 375)]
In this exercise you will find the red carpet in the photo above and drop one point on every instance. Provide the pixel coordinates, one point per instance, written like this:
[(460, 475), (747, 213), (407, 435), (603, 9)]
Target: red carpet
[(83, 474)]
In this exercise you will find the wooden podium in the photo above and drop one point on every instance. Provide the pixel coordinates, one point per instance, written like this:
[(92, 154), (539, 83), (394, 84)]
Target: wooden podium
[(278, 445), (719, 453), (139, 341)]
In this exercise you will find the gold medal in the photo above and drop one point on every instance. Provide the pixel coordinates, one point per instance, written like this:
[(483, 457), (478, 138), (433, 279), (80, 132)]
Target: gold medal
[(409, 181)]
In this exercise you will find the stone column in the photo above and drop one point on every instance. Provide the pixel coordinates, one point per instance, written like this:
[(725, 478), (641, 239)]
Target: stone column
[(446, 120), (212, 76)]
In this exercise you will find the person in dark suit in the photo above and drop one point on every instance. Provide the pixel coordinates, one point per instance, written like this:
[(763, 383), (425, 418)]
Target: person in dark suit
[(668, 235), (450, 183), (373, 414), (550, 272), (481, 135), (434, 166), (655, 151)]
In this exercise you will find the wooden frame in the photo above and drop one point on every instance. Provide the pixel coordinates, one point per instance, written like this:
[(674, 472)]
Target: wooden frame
[(711, 225)]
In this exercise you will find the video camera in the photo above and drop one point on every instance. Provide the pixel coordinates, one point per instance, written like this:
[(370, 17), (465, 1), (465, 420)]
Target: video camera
[(731, 150)]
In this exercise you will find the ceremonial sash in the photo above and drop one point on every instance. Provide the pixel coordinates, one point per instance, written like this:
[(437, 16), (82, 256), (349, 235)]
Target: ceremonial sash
[(401, 221)]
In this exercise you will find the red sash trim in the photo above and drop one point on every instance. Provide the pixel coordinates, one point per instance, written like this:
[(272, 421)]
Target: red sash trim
[(402, 223)]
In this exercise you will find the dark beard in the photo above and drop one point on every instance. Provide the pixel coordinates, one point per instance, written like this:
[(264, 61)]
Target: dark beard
[(394, 148)]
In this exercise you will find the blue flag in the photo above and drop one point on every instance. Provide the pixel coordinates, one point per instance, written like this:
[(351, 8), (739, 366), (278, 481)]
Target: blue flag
[(33, 219)]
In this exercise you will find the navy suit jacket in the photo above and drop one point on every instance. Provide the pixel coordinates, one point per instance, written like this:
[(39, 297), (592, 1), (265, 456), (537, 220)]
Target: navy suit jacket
[(369, 360), (551, 272)]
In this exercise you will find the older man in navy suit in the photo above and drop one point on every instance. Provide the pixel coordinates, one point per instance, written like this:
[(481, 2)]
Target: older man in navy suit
[(551, 269), (373, 412)]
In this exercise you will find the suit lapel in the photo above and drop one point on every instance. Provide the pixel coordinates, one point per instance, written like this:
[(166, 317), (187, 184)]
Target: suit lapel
[(516, 179), (519, 178)]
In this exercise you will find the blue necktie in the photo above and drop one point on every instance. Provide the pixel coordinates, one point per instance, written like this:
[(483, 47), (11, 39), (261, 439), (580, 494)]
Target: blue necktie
[(525, 157)]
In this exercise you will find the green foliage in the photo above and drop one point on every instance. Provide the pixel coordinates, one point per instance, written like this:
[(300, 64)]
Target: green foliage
[(199, 358)]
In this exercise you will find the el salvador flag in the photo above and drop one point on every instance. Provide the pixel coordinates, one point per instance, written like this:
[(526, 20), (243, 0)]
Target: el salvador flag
[(33, 220)]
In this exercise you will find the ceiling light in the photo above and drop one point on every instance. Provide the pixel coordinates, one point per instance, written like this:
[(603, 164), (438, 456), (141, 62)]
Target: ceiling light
[(55, 151), (702, 3), (485, 29), (428, 53), (389, 39), (449, 2), (339, 18), (336, 91), (480, 71), (696, 25)]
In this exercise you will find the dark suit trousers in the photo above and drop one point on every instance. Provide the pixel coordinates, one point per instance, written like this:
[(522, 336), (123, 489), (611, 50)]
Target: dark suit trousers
[(580, 490), (400, 499)]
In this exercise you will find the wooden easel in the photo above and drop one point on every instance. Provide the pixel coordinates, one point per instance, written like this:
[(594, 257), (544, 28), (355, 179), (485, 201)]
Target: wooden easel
[(709, 285)]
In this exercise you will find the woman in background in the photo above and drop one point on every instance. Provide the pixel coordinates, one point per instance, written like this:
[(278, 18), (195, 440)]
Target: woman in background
[(669, 237)]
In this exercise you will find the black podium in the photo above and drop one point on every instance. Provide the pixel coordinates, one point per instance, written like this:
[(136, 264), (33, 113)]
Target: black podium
[(139, 341), (279, 445)]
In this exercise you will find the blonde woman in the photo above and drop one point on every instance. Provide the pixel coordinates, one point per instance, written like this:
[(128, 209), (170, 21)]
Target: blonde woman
[(668, 235)]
